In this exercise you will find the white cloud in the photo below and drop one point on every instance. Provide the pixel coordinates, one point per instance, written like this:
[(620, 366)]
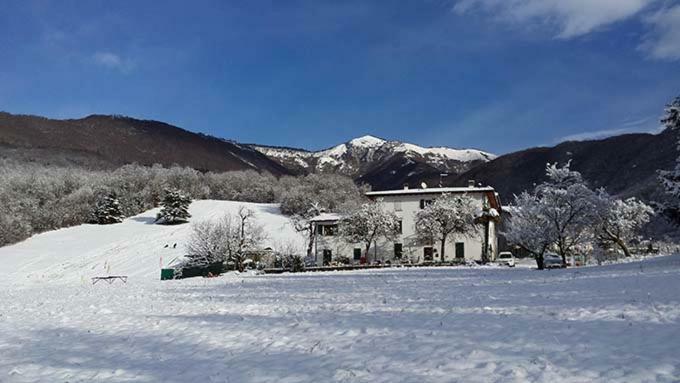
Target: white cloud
[(571, 18), (600, 134), (112, 61), (663, 42)]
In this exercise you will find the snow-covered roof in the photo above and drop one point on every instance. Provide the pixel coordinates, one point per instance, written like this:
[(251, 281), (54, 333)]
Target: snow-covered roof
[(327, 217), (475, 189)]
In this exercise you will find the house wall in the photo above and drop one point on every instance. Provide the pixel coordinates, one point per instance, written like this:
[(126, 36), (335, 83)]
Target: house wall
[(406, 207)]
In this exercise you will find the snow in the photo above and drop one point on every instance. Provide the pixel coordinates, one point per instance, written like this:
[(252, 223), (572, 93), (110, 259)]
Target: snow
[(369, 145), (367, 141), (135, 247), (323, 217), (462, 155), (617, 323)]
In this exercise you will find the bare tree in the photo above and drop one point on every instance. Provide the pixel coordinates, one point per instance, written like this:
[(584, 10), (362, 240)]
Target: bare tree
[(229, 240)]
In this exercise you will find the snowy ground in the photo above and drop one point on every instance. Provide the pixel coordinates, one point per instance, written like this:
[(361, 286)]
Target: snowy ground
[(136, 248), (617, 323)]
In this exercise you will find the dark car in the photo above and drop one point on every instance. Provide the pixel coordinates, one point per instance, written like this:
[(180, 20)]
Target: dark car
[(552, 261)]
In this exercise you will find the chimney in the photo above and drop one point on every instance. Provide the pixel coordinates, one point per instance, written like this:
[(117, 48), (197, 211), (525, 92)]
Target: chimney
[(471, 183), (405, 186)]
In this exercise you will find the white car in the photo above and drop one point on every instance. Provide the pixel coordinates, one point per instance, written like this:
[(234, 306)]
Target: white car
[(505, 258)]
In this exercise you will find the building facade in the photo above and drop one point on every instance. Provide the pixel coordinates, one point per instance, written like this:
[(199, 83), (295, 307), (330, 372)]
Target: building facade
[(329, 247)]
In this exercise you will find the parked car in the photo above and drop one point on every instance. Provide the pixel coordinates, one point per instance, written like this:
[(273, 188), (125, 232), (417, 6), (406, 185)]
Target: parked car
[(552, 261), (505, 258)]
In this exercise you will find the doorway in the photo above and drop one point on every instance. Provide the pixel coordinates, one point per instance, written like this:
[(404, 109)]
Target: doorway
[(427, 253), (460, 250), (327, 256)]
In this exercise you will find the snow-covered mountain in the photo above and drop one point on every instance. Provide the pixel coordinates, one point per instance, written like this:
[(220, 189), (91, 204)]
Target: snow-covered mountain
[(360, 156)]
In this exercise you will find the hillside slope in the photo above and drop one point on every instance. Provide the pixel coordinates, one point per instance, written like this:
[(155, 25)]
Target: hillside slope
[(114, 141), (625, 165), (135, 248)]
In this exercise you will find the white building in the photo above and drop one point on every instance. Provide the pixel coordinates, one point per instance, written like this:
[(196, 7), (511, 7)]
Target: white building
[(405, 203)]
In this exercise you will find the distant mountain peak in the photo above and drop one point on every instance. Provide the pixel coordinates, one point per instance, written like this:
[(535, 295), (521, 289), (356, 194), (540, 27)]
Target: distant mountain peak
[(367, 140), (369, 154)]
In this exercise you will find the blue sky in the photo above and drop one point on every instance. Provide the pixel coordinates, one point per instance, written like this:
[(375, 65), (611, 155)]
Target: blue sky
[(498, 75)]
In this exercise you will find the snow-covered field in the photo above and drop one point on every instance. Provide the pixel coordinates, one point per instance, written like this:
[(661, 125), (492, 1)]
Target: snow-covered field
[(136, 248), (617, 323)]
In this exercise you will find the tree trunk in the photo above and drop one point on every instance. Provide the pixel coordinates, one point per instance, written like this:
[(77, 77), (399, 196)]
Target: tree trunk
[(443, 249), (368, 247), (539, 261), (623, 247), (485, 251), (563, 254), (310, 244)]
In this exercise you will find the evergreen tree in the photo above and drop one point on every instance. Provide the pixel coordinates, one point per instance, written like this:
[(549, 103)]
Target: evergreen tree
[(671, 119), (175, 208), (107, 211), (670, 179)]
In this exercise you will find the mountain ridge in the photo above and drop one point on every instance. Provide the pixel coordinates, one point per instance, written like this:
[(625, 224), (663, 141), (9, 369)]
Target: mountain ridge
[(363, 154), (117, 140)]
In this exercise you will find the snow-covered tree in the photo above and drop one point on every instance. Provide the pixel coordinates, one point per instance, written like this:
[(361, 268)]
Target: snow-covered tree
[(228, 240), (569, 207), (619, 221), (528, 227), (208, 242), (369, 223), (670, 179), (306, 197), (447, 216), (671, 118), (175, 208), (558, 215), (107, 211)]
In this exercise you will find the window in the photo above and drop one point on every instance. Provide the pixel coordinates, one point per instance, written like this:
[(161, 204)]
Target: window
[(327, 230), (397, 205), (425, 202), (401, 227), (357, 254), (398, 250)]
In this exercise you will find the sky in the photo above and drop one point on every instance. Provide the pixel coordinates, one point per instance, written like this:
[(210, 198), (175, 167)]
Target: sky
[(497, 75)]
